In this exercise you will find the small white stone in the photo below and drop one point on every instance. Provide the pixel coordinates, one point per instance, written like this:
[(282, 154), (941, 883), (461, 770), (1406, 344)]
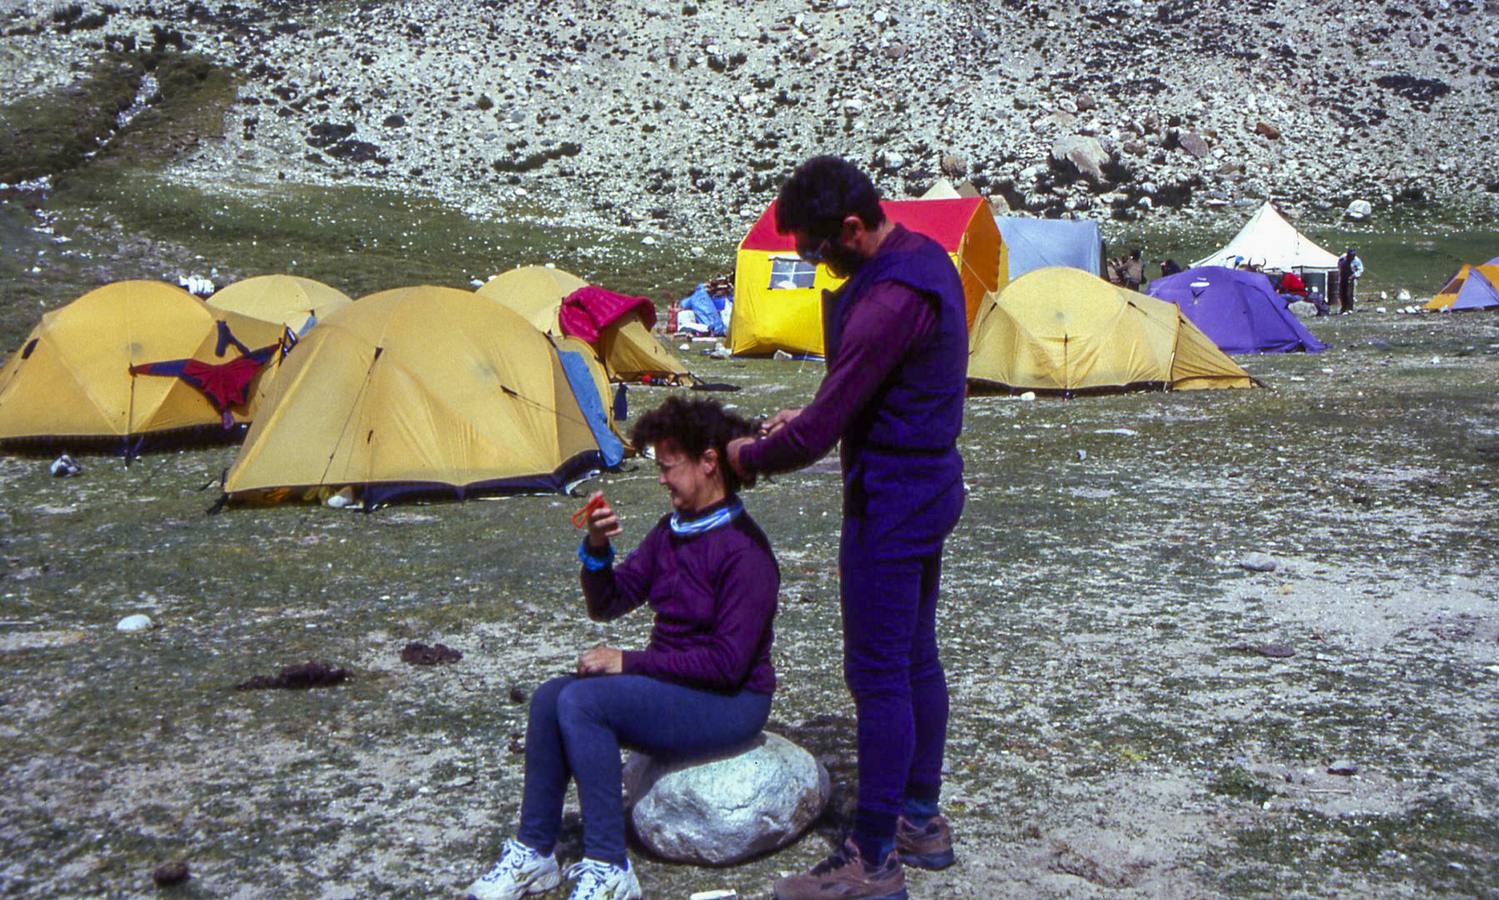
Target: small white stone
[(1028, 396), (134, 623)]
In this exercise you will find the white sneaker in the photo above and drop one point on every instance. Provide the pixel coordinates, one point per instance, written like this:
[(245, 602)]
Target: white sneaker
[(520, 871), (598, 880)]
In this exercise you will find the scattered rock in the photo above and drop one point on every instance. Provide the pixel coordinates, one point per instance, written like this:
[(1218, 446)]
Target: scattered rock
[(727, 808), (1342, 767), (297, 678), (419, 654), (1359, 209), (1258, 562), (134, 623), (1192, 143), (517, 695), (171, 873), (1265, 129), (1274, 651), (64, 467)]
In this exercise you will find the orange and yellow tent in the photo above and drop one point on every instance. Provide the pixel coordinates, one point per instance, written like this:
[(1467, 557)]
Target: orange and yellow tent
[(1448, 294)]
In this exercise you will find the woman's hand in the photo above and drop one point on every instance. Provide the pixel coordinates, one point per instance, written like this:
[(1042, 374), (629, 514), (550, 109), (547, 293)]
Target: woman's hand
[(603, 524), (601, 660)]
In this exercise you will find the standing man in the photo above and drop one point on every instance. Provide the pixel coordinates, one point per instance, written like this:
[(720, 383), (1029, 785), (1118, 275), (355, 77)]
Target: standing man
[(1350, 269), (1133, 272), (895, 339)]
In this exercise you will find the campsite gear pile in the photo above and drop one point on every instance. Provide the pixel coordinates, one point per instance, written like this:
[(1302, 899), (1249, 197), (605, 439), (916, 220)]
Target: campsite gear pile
[(415, 392)]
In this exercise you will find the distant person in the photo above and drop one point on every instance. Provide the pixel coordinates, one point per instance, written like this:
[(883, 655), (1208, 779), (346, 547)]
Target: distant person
[(1133, 272), (1169, 267), (703, 683), (1350, 269)]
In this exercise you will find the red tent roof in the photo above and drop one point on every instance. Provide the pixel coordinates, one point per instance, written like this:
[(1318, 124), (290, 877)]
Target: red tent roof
[(944, 221)]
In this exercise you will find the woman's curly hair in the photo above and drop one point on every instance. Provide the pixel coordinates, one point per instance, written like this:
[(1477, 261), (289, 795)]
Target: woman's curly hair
[(695, 425)]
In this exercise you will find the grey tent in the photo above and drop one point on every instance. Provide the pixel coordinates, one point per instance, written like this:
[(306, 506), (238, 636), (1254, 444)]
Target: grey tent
[(1037, 243)]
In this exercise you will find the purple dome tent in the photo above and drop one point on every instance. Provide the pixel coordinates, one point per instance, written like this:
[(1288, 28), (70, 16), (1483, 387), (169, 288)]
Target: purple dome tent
[(1237, 309)]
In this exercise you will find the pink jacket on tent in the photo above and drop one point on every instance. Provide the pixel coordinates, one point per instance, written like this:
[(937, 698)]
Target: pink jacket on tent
[(590, 309)]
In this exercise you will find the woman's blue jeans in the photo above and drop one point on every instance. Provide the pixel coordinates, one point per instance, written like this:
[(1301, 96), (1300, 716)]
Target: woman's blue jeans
[(577, 728)]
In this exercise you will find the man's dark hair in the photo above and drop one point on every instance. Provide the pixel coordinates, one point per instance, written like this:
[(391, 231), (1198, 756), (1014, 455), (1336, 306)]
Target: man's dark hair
[(821, 193), (695, 425)]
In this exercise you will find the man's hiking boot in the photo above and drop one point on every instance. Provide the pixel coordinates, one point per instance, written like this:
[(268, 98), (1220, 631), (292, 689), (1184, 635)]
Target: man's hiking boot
[(520, 871), (844, 876), (927, 847)]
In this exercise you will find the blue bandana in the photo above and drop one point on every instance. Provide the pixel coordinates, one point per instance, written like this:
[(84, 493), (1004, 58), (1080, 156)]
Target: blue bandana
[(716, 519)]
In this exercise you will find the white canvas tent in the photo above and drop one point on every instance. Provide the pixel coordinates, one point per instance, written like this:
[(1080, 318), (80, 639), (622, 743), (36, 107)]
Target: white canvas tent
[(944, 189), (1272, 244)]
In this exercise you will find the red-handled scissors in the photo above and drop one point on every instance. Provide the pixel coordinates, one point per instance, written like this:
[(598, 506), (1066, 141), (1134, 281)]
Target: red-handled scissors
[(580, 518)]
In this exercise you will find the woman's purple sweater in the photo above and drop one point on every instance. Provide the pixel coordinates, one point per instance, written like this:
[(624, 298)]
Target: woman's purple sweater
[(714, 595)]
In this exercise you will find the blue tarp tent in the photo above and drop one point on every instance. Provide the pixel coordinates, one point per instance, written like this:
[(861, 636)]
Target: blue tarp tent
[(1237, 309), (1037, 243)]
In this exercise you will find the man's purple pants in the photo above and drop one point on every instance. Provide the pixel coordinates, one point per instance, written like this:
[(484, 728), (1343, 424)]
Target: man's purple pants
[(890, 563)]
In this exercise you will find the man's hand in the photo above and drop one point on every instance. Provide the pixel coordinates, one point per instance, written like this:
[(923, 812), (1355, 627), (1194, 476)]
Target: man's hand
[(601, 660), (732, 451), (603, 524), (779, 420)]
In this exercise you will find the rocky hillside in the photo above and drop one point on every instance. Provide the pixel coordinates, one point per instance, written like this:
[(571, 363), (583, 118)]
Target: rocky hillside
[(683, 116)]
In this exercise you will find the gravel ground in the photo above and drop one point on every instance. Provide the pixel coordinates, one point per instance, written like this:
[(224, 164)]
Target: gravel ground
[(1117, 729)]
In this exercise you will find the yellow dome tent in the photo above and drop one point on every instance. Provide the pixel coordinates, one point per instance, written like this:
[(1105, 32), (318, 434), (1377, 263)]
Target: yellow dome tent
[(286, 300), (1063, 330), (131, 359), (425, 391), (1444, 298), (778, 297), (626, 347)]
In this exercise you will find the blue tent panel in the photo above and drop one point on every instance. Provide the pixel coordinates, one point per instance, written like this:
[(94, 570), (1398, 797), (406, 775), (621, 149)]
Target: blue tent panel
[(581, 381), (1477, 293), (1036, 243)]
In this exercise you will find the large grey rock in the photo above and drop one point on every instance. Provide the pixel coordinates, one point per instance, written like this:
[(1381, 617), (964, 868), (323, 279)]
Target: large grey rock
[(1084, 153), (726, 808)]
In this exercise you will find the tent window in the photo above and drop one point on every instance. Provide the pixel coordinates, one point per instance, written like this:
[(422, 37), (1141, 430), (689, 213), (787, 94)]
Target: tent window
[(791, 274), (30, 346)]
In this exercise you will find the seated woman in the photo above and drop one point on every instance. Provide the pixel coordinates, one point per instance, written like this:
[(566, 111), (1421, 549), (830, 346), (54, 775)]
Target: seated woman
[(701, 685)]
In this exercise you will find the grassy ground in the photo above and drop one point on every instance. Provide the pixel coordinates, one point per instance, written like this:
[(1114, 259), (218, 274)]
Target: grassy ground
[(1106, 738)]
